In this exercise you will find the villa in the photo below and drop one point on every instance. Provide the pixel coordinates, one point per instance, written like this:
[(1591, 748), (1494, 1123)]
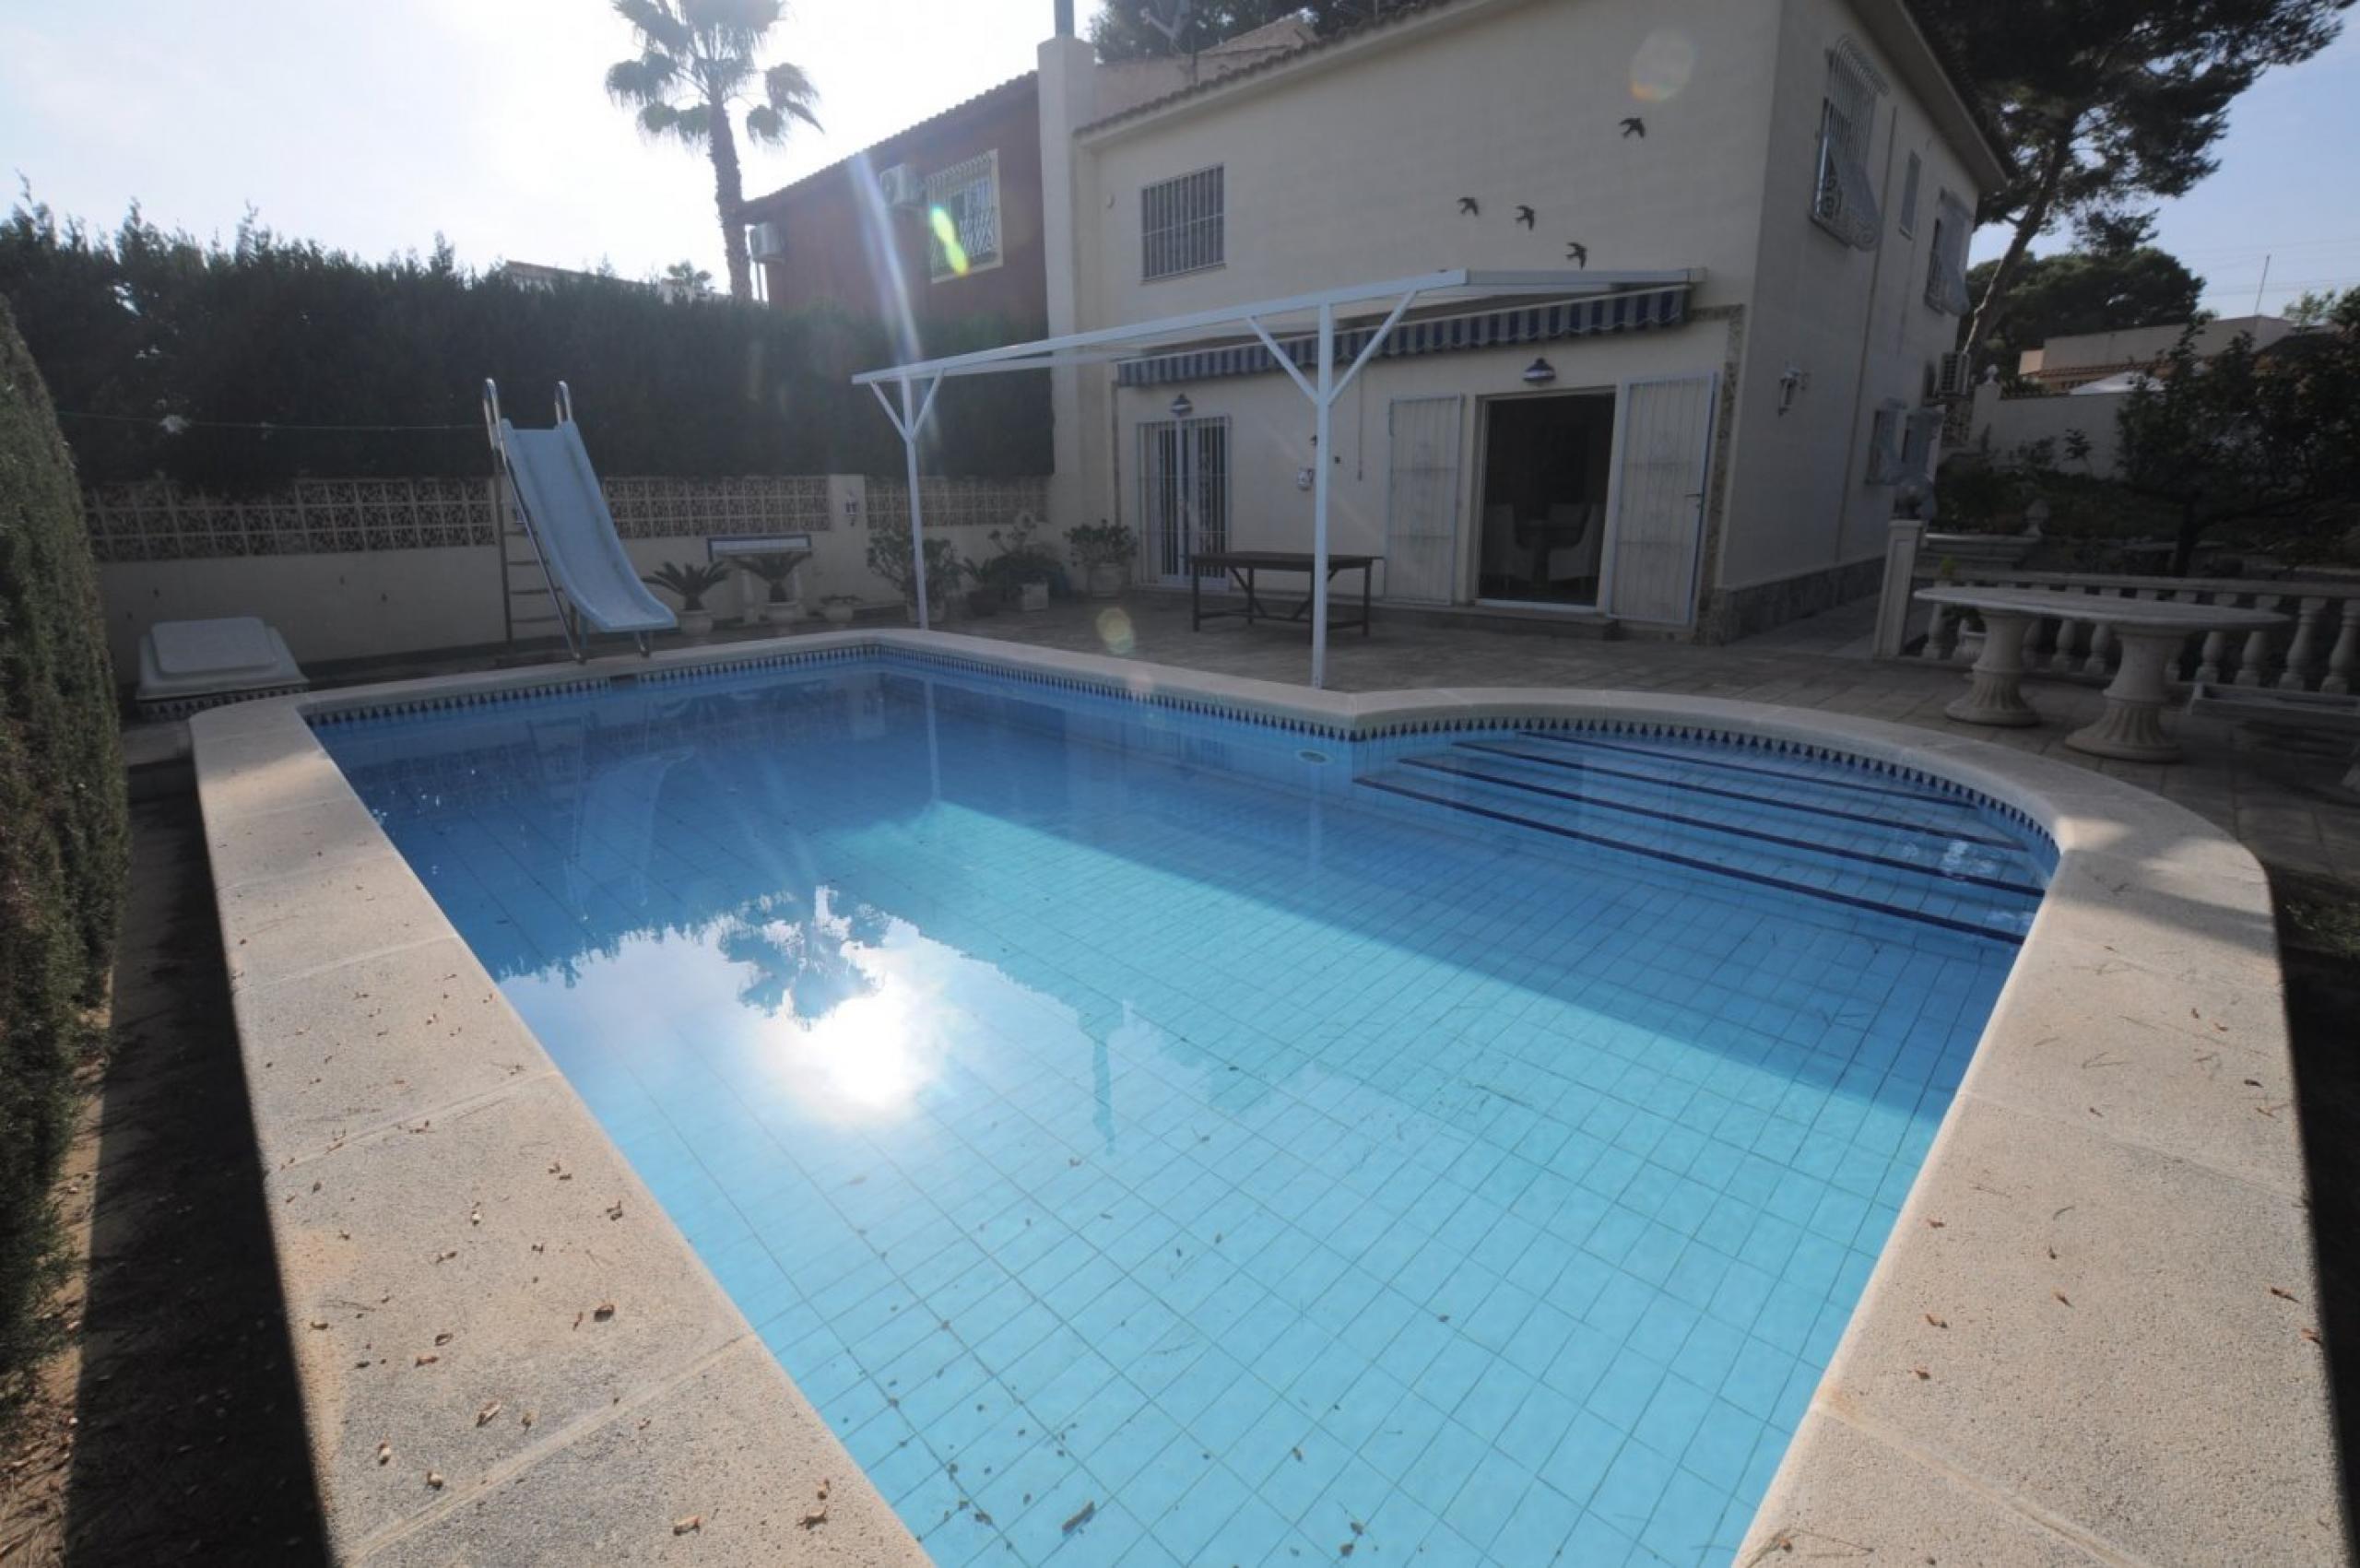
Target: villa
[(854, 1020), (1709, 448)]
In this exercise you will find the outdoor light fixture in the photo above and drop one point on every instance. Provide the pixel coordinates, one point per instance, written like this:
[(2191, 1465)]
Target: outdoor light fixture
[(1540, 373), (1181, 407)]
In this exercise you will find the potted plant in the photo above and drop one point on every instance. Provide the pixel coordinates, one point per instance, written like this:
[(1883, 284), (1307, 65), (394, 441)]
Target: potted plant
[(1019, 574), (689, 584), (1103, 550), (890, 556), (776, 570), (836, 609), (984, 597)]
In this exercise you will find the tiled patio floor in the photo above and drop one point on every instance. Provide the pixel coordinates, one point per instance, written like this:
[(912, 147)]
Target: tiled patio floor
[(2276, 791)]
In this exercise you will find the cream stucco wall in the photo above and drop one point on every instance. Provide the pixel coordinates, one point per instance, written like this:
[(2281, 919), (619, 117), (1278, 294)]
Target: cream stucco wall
[(1270, 434), (1855, 322), (1348, 167)]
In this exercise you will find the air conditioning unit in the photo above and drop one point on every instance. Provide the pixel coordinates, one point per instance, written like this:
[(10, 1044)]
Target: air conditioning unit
[(766, 241), (1955, 378), (901, 187)]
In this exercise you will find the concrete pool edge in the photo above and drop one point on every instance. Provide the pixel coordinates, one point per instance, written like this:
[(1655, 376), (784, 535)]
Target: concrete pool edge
[(2070, 1350)]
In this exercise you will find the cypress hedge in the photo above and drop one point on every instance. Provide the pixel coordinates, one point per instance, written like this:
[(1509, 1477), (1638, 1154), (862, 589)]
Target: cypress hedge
[(64, 834), (140, 326)]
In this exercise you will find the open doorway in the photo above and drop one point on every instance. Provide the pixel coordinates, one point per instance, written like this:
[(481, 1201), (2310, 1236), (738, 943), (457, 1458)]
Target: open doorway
[(1543, 510)]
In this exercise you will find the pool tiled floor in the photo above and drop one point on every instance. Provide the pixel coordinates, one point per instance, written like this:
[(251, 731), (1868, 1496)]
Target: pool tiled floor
[(1142, 1154)]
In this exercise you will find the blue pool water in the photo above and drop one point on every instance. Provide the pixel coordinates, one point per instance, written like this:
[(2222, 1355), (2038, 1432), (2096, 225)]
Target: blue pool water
[(1152, 1139)]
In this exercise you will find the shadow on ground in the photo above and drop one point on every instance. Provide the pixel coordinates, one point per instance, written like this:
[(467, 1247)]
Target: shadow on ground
[(191, 1446), (2319, 933)]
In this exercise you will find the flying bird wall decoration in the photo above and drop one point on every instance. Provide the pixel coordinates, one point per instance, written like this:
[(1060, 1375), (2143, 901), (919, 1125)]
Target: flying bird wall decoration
[(1526, 215), (1635, 126), (1470, 206), (1577, 252)]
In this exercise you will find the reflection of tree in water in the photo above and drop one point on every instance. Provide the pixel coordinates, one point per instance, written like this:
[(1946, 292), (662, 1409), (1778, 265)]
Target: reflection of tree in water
[(800, 951)]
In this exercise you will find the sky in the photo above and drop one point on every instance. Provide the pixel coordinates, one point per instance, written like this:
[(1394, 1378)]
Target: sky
[(371, 127)]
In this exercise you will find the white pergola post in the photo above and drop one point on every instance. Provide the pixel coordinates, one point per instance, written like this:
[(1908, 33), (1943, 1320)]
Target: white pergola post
[(909, 422), (1326, 398), (1323, 395)]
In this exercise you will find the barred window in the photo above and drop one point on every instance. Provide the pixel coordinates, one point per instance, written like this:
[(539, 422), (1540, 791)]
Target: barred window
[(1844, 199), (1909, 197), (1181, 225), (1946, 256), (962, 217)]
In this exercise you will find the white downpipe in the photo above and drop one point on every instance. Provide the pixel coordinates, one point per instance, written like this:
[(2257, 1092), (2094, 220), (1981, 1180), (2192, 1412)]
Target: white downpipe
[(1322, 451)]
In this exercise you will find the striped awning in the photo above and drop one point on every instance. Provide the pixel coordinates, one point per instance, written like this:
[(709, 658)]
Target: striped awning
[(1441, 334)]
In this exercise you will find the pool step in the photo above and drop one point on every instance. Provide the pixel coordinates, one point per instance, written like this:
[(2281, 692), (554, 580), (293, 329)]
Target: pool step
[(1991, 896), (1891, 834), (1897, 808)]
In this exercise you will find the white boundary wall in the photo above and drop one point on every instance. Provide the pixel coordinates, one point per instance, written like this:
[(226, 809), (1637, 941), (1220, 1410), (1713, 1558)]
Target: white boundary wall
[(416, 566), (2004, 424)]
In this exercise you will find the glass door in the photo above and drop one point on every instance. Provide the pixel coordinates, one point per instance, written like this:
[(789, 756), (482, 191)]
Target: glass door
[(1543, 527), (1183, 494)]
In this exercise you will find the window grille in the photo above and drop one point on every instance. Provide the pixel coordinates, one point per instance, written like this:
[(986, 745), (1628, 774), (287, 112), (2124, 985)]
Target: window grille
[(1844, 199), (1946, 258), (962, 217), (1181, 225)]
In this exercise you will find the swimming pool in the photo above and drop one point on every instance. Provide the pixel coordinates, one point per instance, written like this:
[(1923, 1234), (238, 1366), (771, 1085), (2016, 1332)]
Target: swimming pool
[(1148, 1137)]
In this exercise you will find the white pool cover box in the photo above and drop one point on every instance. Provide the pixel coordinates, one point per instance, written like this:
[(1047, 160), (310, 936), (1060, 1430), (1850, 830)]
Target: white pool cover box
[(188, 665)]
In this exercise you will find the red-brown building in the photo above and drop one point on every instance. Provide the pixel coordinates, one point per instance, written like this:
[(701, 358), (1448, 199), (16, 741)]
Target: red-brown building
[(957, 199)]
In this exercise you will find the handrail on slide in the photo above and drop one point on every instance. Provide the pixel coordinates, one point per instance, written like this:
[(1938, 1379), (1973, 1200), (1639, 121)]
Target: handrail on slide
[(555, 495)]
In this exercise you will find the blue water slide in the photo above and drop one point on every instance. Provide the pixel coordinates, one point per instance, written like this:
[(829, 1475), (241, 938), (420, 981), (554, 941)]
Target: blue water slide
[(558, 498)]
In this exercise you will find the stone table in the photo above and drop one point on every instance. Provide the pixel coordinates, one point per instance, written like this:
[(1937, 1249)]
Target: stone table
[(2151, 632)]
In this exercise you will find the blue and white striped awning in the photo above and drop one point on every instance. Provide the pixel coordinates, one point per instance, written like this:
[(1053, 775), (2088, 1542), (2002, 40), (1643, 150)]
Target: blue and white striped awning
[(1443, 334)]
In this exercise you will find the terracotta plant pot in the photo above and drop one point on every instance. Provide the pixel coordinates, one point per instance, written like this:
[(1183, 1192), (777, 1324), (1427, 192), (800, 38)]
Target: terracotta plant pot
[(1033, 595), (836, 615), (1105, 580), (696, 625)]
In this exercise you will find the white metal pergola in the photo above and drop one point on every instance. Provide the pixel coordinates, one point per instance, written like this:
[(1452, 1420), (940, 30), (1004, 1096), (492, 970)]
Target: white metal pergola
[(1263, 319)]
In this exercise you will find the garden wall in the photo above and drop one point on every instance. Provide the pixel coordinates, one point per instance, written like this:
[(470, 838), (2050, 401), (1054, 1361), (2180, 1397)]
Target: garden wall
[(352, 569), (2004, 424)]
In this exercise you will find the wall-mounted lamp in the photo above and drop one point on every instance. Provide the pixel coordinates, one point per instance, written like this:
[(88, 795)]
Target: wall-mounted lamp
[(1540, 373), (1181, 407), (1792, 380)]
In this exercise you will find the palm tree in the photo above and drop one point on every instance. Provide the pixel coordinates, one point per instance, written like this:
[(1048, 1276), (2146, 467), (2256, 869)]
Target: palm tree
[(696, 64)]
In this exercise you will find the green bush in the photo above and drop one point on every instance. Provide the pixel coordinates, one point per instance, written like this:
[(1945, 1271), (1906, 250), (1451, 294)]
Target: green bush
[(136, 327), (63, 836)]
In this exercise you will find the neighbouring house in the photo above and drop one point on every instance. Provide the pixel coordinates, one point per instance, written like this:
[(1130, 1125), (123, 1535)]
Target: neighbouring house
[(863, 236), (858, 235), (2065, 364), (2066, 403), (539, 274)]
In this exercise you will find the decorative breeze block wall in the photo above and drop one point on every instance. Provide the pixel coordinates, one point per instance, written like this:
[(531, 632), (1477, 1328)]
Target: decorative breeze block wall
[(155, 520)]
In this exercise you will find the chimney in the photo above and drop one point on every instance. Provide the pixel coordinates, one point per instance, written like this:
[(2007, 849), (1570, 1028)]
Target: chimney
[(1064, 17)]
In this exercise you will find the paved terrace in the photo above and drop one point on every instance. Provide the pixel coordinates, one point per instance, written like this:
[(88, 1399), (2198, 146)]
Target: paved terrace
[(459, 1130), (2276, 791)]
